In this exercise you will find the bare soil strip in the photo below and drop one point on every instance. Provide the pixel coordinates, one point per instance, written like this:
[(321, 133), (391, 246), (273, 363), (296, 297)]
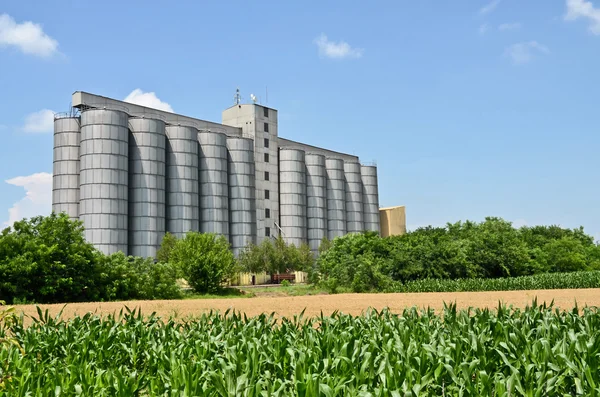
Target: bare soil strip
[(346, 303)]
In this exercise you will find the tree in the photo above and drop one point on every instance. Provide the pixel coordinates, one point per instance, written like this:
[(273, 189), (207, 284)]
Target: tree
[(205, 260), (251, 259), (47, 260), (305, 260), (166, 247)]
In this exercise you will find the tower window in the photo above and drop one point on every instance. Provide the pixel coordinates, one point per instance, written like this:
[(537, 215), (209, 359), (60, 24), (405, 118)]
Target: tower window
[(266, 127), (266, 157), (267, 232), (266, 142), (266, 175), (266, 112), (267, 194), (267, 213)]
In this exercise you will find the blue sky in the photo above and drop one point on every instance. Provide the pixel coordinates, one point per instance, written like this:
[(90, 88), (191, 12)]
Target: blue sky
[(470, 108)]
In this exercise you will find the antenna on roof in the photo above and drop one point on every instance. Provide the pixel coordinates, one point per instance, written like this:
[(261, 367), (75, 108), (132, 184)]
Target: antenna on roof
[(237, 98), (253, 98)]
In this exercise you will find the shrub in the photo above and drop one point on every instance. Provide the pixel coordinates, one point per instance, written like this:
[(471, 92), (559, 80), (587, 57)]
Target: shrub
[(166, 247), (46, 260), (205, 260), (131, 277), (275, 256)]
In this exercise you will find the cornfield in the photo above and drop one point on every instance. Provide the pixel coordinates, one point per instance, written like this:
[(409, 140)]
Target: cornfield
[(573, 280), (537, 351)]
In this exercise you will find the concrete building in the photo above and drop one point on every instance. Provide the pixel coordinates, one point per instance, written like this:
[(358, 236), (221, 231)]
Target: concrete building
[(393, 221), (133, 173)]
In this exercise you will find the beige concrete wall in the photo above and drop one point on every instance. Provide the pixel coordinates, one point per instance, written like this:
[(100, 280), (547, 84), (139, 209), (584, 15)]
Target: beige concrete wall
[(263, 278), (393, 221)]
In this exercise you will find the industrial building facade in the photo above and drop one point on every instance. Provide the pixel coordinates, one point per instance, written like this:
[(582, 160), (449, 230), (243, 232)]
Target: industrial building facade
[(132, 173)]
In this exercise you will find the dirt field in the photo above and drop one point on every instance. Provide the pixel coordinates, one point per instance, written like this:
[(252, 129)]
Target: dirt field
[(346, 303)]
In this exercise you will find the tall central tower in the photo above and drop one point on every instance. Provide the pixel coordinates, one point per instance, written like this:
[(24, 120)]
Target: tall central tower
[(260, 123)]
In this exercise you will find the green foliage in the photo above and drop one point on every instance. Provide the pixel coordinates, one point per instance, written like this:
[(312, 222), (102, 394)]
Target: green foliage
[(205, 260), (486, 250), (538, 351), (355, 261), (46, 259), (166, 246), (275, 256), (285, 283), (572, 280), (131, 277)]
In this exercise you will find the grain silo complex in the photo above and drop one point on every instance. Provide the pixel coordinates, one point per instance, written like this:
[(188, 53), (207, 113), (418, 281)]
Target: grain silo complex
[(132, 173)]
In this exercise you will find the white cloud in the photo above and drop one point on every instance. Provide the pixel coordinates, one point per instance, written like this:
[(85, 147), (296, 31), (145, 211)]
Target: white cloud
[(26, 36), (339, 50), (584, 9), (524, 52), (519, 223), (509, 26), (148, 99), (483, 28), (37, 200), (489, 7), (41, 121)]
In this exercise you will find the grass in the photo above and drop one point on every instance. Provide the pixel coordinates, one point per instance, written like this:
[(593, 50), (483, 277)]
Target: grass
[(255, 291)]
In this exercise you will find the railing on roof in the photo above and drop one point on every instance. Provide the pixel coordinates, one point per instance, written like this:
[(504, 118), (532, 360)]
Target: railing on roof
[(103, 106), (372, 163)]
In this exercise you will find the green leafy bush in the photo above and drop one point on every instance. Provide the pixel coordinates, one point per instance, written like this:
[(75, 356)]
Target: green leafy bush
[(46, 259), (275, 256), (463, 250), (205, 260), (139, 278)]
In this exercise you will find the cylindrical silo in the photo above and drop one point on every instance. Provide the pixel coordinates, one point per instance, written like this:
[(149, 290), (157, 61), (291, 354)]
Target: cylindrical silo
[(65, 172), (103, 178), (354, 197), (316, 199), (242, 204), (214, 194), (292, 196), (147, 157), (336, 198), (370, 197), (182, 213)]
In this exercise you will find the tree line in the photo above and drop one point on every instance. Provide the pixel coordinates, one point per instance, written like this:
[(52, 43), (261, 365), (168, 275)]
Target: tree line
[(463, 250), (46, 259)]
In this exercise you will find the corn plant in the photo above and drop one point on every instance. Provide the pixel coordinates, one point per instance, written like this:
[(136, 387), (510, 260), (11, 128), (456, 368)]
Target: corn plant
[(536, 351), (574, 280)]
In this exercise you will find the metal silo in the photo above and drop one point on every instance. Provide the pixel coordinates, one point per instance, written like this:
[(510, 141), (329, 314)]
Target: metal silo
[(103, 178), (370, 197), (242, 204), (182, 213), (316, 198), (214, 194), (147, 171), (354, 197), (65, 169), (336, 198), (292, 196)]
